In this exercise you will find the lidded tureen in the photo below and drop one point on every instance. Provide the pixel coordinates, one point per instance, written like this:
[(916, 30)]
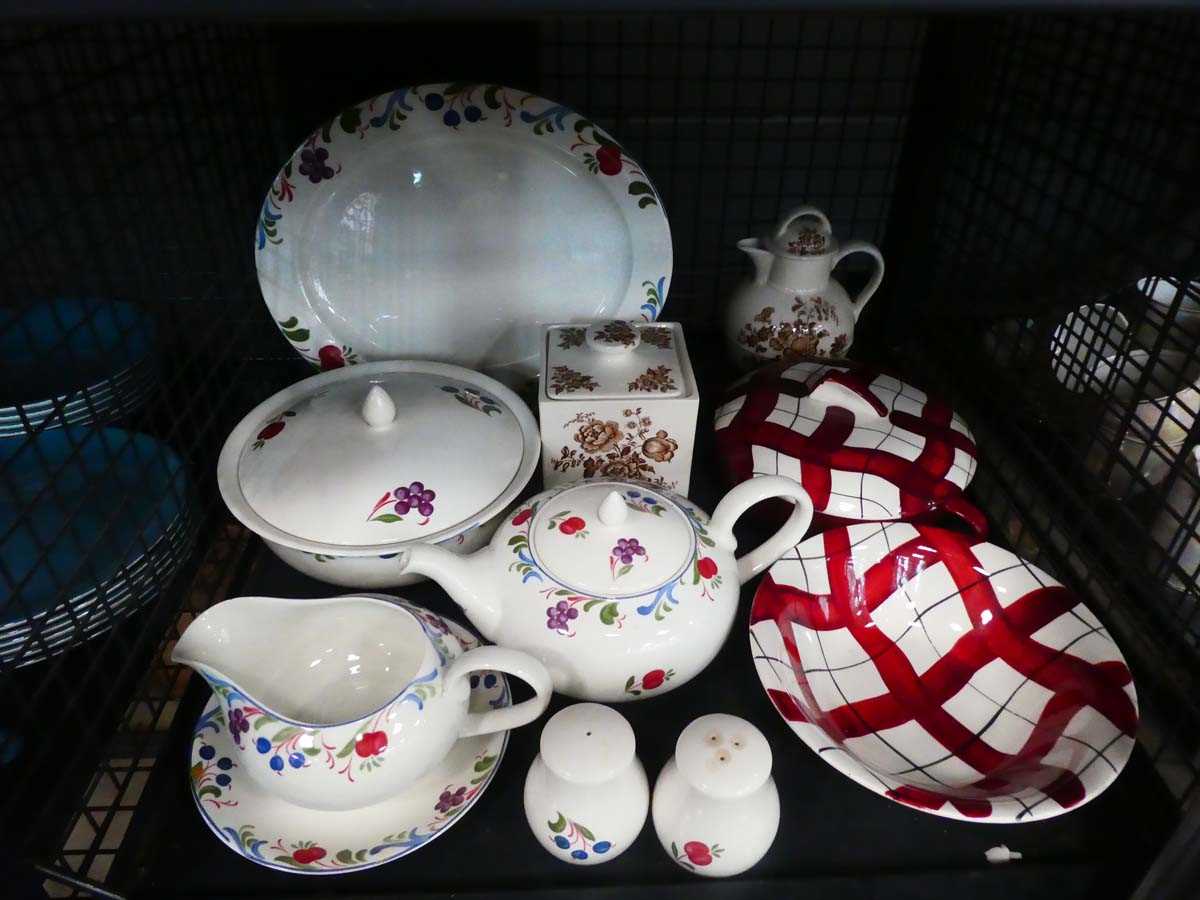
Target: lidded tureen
[(622, 590), (344, 469)]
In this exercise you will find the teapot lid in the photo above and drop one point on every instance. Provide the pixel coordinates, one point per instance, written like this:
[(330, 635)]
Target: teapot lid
[(802, 232), (377, 454), (612, 539)]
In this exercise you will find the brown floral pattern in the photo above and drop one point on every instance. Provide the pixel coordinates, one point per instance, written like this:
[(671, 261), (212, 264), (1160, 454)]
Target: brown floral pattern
[(617, 332), (564, 378), (595, 436), (814, 318), (655, 378), (657, 337), (660, 448), (571, 337), (617, 450), (808, 242)]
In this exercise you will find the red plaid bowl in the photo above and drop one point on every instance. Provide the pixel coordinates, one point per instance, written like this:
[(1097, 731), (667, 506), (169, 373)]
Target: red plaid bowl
[(943, 672), (864, 444)]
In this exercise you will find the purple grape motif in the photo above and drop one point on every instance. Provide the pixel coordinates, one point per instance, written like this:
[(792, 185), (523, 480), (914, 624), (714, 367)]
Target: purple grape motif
[(238, 723), (627, 549), (559, 616), (402, 501), (448, 800), (314, 164)]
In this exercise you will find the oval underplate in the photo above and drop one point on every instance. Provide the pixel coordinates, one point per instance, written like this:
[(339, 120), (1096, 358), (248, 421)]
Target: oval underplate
[(279, 835), (943, 672), (447, 221)]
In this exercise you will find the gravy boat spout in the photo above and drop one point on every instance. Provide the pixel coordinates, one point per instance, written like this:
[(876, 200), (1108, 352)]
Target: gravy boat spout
[(340, 703)]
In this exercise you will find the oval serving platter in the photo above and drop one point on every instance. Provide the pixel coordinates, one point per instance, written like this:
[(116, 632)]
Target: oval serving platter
[(447, 221)]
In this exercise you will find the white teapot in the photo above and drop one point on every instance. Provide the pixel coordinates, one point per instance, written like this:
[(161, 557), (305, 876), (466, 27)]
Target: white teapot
[(623, 591), (793, 306)]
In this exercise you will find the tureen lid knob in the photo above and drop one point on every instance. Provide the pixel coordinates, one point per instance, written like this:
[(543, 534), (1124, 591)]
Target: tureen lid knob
[(613, 510), (378, 410)]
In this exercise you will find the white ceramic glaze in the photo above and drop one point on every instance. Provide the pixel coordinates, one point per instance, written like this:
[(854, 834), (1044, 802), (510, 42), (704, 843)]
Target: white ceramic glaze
[(716, 807), (793, 306), (617, 399), (586, 793), (341, 703), (448, 221), (1176, 528), (1085, 339), (943, 672), (265, 829), (1148, 415), (340, 471), (622, 598)]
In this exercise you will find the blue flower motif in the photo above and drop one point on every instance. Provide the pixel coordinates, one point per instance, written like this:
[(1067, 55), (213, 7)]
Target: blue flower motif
[(277, 763), (207, 752), (562, 842), (601, 846), (223, 780), (262, 745), (579, 854)]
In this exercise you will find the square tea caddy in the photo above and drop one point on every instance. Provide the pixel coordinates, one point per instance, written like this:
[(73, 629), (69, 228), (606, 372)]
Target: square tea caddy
[(618, 399)]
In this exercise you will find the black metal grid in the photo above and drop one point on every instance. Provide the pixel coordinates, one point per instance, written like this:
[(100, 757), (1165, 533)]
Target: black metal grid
[(1064, 187), (1014, 168)]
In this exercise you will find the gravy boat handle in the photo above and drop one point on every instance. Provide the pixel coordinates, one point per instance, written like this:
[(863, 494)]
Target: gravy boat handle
[(512, 662)]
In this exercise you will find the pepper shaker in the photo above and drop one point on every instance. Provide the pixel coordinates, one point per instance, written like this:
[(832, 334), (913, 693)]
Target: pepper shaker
[(586, 794), (716, 808)]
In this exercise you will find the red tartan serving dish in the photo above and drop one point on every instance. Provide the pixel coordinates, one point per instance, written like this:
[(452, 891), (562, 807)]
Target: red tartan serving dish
[(943, 672), (864, 444)]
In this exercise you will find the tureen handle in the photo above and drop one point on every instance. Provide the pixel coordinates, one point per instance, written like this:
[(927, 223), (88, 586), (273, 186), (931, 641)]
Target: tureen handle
[(512, 662), (740, 499)]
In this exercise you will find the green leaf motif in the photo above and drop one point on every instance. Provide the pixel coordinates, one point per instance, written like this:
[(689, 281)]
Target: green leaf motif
[(351, 119), (345, 857), (609, 613), (674, 849), (587, 607), (286, 734), (290, 323), (388, 518), (456, 87), (585, 832), (484, 764), (629, 683), (489, 97), (311, 751), (624, 570), (558, 824), (209, 790), (516, 539)]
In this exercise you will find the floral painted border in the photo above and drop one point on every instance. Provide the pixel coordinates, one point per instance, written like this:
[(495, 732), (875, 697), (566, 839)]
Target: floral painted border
[(567, 607), (307, 856), (458, 106)]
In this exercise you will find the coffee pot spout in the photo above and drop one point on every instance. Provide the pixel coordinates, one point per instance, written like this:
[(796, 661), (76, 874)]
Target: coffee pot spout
[(761, 258)]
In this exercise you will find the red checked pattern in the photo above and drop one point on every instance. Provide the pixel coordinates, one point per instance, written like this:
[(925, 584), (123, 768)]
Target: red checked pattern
[(943, 672), (912, 458)]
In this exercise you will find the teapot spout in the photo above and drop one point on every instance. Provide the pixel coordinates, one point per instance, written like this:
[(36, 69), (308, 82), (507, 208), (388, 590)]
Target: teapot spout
[(761, 258), (464, 578)]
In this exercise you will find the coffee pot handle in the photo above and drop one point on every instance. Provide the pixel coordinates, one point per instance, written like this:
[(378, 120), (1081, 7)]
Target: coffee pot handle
[(860, 302), (512, 662), (740, 499)]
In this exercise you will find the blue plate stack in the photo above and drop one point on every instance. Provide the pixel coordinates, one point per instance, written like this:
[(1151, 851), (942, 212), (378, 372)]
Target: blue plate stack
[(73, 362), (93, 524)]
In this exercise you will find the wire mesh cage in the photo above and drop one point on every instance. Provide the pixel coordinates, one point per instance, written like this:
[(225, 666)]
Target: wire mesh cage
[(1032, 179)]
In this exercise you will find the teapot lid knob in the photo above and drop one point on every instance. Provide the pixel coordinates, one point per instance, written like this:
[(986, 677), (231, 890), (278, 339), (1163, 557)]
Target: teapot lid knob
[(613, 509), (378, 410)]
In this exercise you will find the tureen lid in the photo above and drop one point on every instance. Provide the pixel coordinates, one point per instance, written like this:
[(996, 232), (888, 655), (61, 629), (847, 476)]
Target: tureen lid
[(615, 359), (378, 454), (612, 538)]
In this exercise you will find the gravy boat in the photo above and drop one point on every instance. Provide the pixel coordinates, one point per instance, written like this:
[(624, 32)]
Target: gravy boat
[(341, 703)]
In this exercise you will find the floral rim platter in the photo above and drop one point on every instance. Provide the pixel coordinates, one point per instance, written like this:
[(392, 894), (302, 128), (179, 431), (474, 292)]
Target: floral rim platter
[(943, 672), (279, 835), (389, 233)]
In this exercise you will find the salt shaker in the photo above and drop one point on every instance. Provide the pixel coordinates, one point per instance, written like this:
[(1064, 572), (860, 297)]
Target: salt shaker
[(716, 809), (586, 794)]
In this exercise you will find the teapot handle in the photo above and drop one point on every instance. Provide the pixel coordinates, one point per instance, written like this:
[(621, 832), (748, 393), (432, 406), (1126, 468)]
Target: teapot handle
[(798, 213), (745, 495), (860, 302), (512, 662)]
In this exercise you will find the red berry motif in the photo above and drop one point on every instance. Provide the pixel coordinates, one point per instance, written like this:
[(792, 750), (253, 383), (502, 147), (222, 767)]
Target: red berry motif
[(706, 567), (572, 525), (654, 678), (608, 157), (697, 853), (370, 743), (270, 431), (331, 357), (522, 517), (306, 855)]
